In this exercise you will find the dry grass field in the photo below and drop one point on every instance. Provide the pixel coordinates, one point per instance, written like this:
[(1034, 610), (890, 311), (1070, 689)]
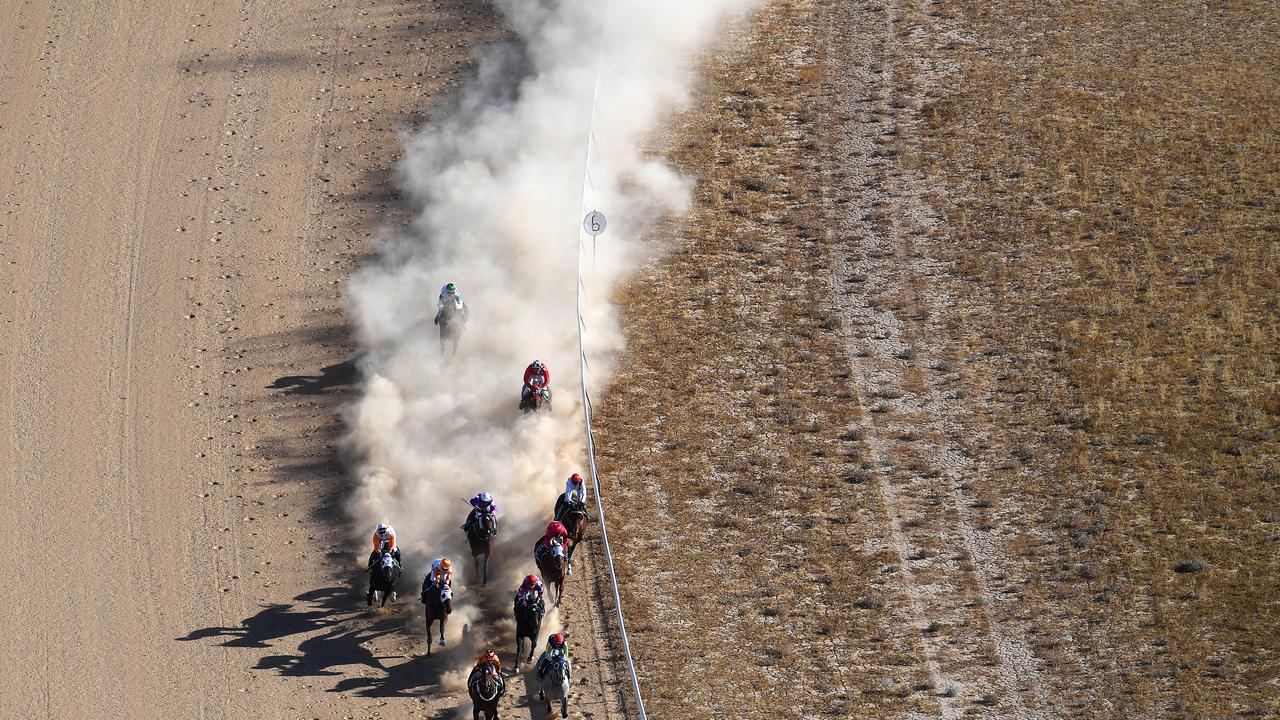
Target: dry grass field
[(957, 391), (1113, 234)]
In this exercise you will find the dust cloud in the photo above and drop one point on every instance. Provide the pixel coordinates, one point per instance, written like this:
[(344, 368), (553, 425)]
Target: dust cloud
[(496, 185)]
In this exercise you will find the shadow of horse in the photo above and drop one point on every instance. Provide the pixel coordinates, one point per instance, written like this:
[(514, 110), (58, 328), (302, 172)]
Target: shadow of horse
[(336, 375), (280, 620), (339, 647)]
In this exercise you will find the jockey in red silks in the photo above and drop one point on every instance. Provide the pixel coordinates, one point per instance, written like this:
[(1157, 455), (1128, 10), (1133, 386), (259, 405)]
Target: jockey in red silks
[(536, 376), (555, 529), (537, 372)]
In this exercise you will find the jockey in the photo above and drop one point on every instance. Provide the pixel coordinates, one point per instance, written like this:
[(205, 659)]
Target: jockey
[(449, 292), (575, 490), (530, 590), (488, 657), (555, 529), (384, 539), (481, 503), (441, 573), (557, 646), (539, 374)]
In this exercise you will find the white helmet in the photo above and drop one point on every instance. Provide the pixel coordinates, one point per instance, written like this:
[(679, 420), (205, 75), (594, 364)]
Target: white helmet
[(537, 365), (383, 530)]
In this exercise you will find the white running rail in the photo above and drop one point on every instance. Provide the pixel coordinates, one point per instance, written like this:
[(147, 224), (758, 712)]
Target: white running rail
[(583, 374)]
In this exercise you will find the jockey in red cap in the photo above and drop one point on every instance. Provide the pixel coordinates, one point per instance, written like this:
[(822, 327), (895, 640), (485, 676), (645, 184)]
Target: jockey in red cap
[(555, 529), (530, 589)]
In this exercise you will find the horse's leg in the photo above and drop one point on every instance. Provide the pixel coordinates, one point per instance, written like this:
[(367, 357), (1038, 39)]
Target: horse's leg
[(428, 632), (485, 580), (443, 620)]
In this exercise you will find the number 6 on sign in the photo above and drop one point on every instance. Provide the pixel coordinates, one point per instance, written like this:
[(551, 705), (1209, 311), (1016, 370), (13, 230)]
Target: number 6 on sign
[(594, 223)]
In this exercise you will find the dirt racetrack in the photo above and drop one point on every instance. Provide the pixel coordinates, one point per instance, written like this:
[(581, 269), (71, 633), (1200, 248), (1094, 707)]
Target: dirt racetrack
[(181, 188)]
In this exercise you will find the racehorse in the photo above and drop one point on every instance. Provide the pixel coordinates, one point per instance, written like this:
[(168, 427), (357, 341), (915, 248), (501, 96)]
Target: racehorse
[(551, 564), (452, 319), (383, 575), (537, 400), (573, 516), (486, 687), (439, 602), (554, 675), (480, 537), (528, 623)]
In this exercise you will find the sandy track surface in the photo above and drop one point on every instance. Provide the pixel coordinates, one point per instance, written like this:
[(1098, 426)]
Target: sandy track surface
[(182, 189)]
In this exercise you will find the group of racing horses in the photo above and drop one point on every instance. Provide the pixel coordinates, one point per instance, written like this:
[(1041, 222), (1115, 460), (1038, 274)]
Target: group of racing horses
[(554, 560), (553, 557)]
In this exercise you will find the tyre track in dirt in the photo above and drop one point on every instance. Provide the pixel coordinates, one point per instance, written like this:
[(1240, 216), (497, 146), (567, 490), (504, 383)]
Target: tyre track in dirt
[(952, 559)]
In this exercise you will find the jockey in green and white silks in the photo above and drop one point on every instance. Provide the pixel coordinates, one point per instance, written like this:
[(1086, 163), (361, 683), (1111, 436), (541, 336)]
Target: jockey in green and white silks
[(449, 293)]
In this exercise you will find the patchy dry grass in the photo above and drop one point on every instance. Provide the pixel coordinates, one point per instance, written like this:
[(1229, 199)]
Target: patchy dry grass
[(1081, 319), (729, 449), (1113, 229)]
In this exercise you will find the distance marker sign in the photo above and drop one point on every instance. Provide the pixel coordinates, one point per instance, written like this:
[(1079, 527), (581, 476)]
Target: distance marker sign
[(594, 223)]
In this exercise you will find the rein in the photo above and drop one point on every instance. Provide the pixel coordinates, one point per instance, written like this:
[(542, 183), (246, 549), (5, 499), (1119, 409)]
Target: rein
[(479, 685)]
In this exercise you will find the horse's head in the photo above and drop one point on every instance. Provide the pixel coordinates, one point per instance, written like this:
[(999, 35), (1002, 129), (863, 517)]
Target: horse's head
[(486, 681), (485, 525), (387, 565), (558, 556), (527, 606)]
